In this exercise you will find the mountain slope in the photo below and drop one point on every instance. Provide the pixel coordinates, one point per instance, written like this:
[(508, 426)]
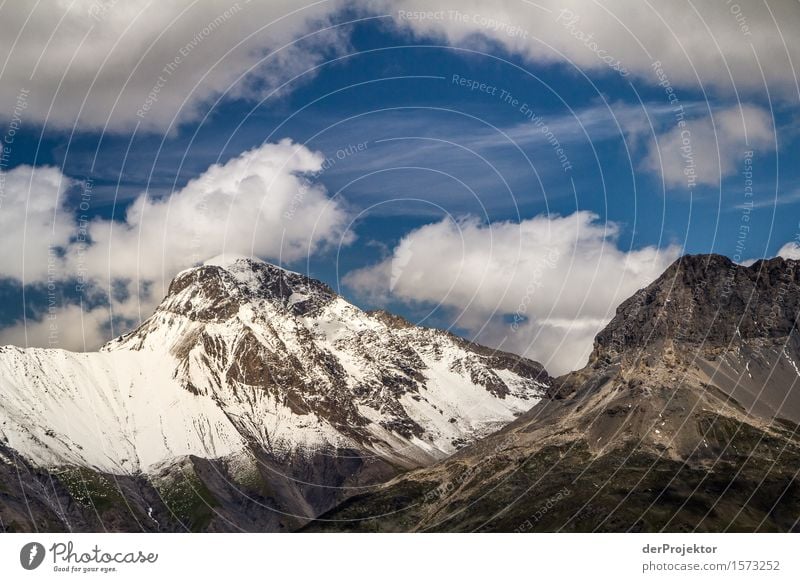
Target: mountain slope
[(684, 419), (255, 385)]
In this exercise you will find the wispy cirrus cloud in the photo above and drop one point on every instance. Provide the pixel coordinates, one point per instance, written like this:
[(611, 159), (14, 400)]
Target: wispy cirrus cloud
[(772, 201)]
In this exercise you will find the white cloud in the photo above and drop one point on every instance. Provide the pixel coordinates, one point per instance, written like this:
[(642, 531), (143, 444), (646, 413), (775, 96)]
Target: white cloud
[(717, 44), (543, 287), (28, 244), (260, 203), (68, 327), (790, 250), (98, 64), (110, 64), (704, 152), (257, 203)]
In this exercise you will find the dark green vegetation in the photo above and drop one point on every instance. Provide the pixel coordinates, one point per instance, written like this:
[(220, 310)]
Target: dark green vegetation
[(567, 488)]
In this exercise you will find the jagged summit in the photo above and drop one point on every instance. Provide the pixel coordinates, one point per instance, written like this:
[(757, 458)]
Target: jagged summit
[(229, 260), (709, 300), (227, 282), (243, 267)]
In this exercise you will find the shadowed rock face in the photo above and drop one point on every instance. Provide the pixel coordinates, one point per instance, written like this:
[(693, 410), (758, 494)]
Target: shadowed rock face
[(707, 301), (253, 399), (718, 323), (685, 419)]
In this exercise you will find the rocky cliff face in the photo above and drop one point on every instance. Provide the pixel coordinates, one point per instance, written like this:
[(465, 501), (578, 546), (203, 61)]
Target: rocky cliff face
[(708, 301), (710, 321), (253, 398), (684, 419)]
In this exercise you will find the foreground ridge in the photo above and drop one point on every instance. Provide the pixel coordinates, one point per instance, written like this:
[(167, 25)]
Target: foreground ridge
[(685, 419)]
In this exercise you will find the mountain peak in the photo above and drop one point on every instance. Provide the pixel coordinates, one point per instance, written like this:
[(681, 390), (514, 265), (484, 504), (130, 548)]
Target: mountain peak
[(707, 299), (216, 289), (239, 326), (242, 265)]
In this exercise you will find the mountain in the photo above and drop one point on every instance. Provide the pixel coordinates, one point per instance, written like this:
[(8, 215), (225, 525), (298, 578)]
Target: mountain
[(254, 398), (684, 419)]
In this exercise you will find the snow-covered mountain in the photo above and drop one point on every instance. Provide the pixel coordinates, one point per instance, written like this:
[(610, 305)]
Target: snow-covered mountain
[(246, 363)]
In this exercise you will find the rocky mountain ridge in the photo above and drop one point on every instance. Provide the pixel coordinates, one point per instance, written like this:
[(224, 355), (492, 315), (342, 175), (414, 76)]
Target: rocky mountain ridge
[(684, 419)]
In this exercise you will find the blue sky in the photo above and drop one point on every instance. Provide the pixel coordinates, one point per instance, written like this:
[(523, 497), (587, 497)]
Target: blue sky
[(432, 149)]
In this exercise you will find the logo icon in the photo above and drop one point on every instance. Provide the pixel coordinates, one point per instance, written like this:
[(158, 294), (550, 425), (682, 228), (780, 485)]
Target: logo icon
[(31, 555)]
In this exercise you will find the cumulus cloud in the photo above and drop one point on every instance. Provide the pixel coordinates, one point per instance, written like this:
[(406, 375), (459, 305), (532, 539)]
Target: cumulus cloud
[(718, 45), (257, 203), (263, 203), (542, 287), (108, 64), (706, 150), (68, 327), (29, 245)]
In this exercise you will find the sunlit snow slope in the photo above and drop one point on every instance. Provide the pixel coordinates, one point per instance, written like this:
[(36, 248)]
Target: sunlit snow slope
[(241, 356)]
